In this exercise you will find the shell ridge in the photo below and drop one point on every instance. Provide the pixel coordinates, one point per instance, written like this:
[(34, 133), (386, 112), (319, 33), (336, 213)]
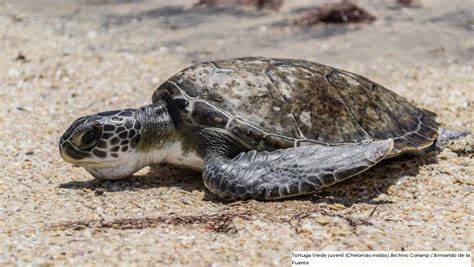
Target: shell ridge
[(285, 100), (392, 94), (405, 128), (351, 113), (181, 91)]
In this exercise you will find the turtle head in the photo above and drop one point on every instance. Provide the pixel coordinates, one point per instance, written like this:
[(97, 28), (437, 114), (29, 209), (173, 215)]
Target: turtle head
[(106, 144), (115, 144)]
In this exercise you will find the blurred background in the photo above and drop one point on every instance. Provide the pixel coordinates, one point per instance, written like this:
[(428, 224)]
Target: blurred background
[(433, 31)]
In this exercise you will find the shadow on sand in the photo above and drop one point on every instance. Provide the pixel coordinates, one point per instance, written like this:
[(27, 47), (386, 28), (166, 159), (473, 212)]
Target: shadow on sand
[(363, 188), (161, 176)]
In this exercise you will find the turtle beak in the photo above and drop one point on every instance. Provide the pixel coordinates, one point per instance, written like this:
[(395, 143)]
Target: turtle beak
[(64, 154), (68, 159)]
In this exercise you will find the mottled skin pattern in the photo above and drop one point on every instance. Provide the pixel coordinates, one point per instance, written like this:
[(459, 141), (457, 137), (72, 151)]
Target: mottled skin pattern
[(118, 130), (257, 127), (280, 103), (114, 144)]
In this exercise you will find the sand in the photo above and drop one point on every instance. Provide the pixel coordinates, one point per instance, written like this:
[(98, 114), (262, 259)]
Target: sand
[(63, 59)]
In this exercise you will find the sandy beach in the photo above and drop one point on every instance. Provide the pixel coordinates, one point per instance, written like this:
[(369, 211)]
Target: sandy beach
[(63, 59)]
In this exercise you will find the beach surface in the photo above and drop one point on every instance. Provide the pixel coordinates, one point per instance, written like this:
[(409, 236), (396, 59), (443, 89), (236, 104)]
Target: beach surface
[(63, 59)]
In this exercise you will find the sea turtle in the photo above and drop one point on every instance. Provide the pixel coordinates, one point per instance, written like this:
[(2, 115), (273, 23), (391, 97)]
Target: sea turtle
[(262, 128)]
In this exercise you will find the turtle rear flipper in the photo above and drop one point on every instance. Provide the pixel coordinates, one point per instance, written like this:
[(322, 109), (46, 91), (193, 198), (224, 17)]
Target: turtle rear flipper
[(448, 135), (287, 172)]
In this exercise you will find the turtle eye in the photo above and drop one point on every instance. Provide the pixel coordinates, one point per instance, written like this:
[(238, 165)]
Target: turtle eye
[(89, 138)]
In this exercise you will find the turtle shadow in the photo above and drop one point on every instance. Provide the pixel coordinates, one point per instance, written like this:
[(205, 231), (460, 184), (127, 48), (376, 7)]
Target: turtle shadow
[(370, 187), (156, 177), (366, 187)]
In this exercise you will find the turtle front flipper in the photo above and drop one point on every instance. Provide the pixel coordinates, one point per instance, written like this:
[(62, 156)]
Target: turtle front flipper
[(287, 172)]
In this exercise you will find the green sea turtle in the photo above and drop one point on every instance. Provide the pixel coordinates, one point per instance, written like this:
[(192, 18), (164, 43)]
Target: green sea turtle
[(257, 127)]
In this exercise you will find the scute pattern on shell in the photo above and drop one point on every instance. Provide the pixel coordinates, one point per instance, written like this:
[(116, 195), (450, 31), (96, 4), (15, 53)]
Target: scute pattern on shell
[(278, 103)]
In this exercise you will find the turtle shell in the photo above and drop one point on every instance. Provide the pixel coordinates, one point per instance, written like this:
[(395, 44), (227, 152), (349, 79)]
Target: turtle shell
[(279, 103)]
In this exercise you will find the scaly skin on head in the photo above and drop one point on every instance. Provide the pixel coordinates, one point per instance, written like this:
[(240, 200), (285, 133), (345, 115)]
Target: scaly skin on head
[(115, 144)]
